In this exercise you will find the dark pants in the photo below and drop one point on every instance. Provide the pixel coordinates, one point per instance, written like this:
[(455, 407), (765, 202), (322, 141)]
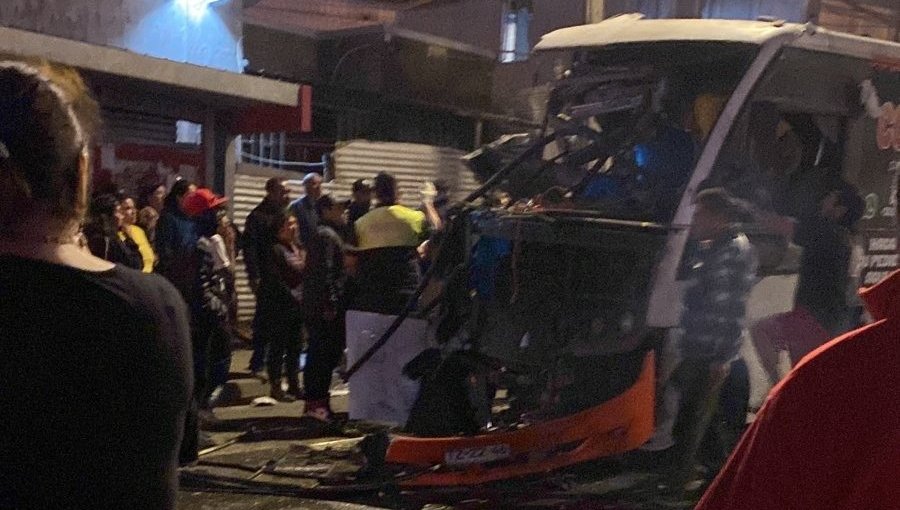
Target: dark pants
[(729, 422), (260, 343), (219, 362), (323, 354), (700, 390), (284, 331), (189, 444), (201, 328), (211, 341)]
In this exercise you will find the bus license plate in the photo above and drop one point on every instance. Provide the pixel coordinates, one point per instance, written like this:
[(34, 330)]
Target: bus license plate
[(477, 455)]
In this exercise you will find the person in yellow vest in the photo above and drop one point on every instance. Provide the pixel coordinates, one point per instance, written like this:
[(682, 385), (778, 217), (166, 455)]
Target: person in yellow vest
[(388, 238), (136, 233)]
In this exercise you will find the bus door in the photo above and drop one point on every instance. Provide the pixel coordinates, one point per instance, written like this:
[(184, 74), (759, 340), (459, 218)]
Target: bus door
[(809, 137)]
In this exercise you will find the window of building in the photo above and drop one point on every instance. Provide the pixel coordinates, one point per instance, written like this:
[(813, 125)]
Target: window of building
[(188, 133), (514, 45)]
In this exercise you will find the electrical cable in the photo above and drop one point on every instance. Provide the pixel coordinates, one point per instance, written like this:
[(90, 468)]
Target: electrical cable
[(426, 279)]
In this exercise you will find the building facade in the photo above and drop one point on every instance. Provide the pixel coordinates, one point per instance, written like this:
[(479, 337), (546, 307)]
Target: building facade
[(167, 75), (200, 32)]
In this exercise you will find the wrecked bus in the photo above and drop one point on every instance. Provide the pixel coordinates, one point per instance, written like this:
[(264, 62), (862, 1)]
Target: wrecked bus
[(561, 277)]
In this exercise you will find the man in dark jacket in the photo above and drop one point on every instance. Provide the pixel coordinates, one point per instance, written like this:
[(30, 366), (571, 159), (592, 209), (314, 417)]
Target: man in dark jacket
[(361, 202), (304, 208), (259, 237), (825, 264), (324, 306)]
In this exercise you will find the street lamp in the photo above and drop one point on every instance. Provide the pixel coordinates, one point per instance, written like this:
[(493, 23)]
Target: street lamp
[(196, 9)]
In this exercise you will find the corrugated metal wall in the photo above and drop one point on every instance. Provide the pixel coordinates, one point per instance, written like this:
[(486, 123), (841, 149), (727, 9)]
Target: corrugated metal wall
[(411, 164), (123, 126)]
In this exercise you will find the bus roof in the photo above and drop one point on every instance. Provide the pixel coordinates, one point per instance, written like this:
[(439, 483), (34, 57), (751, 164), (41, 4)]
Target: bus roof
[(633, 28)]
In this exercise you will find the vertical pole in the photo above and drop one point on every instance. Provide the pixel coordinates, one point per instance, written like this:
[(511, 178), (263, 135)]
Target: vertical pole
[(479, 132), (897, 24), (215, 146), (220, 157), (594, 11), (232, 159), (813, 9), (209, 148)]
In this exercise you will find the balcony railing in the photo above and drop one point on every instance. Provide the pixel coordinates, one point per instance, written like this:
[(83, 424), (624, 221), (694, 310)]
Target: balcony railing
[(286, 152)]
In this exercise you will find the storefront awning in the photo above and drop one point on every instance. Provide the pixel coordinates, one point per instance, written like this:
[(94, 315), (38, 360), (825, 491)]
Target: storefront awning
[(271, 118), (117, 67)]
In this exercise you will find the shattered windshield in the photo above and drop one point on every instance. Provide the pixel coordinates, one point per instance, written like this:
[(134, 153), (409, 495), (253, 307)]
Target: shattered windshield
[(626, 125)]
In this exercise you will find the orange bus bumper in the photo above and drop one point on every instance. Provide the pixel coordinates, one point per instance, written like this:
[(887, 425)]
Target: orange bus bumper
[(620, 424)]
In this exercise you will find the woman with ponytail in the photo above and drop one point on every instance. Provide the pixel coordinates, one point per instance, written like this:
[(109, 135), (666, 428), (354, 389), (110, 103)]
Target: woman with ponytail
[(94, 355)]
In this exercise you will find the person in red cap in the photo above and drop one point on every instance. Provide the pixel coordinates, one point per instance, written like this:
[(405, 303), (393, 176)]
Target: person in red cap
[(209, 300), (828, 435), (198, 202)]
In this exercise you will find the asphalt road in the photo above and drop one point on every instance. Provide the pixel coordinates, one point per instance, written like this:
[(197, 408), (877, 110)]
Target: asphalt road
[(270, 459)]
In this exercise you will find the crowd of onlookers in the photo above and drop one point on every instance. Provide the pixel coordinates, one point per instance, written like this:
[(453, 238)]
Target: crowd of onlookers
[(185, 235), (308, 261)]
